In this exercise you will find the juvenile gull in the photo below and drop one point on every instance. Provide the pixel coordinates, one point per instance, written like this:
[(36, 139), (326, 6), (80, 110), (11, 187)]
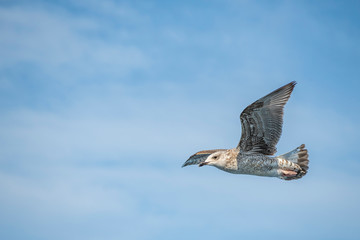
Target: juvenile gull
[(261, 126)]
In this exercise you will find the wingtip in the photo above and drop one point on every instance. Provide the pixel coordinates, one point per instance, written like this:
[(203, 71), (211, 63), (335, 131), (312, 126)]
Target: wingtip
[(288, 87), (292, 84)]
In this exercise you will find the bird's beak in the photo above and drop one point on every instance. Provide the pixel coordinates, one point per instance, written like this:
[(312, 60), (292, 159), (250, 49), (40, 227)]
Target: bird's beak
[(203, 164)]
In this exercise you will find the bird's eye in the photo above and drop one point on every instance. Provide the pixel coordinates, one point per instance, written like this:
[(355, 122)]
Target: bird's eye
[(214, 157)]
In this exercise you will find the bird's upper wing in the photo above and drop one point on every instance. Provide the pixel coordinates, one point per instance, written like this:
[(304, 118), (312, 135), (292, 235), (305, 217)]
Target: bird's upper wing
[(199, 157), (261, 122)]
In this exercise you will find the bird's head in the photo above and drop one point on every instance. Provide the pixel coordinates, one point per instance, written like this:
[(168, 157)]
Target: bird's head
[(217, 159)]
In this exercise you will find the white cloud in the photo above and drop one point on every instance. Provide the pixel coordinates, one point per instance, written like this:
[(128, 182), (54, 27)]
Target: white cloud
[(64, 46)]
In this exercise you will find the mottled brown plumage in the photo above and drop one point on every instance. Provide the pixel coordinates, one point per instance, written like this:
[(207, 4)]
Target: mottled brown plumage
[(261, 124)]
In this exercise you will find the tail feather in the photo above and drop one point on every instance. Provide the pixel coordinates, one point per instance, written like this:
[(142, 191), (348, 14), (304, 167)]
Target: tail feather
[(300, 157)]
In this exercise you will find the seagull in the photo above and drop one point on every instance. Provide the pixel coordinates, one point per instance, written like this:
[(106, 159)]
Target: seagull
[(261, 127)]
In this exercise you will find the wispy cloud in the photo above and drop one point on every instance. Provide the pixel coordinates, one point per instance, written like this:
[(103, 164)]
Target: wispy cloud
[(65, 46)]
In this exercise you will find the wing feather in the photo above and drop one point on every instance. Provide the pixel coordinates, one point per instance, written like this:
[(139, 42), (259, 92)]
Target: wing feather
[(261, 122)]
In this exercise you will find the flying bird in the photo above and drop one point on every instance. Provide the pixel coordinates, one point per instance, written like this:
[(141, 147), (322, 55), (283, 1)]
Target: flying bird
[(261, 126)]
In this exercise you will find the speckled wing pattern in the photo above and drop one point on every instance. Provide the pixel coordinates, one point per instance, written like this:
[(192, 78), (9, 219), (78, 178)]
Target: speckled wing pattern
[(261, 122), (199, 157)]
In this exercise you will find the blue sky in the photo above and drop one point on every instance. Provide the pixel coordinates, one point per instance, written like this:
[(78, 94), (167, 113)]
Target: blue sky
[(101, 102)]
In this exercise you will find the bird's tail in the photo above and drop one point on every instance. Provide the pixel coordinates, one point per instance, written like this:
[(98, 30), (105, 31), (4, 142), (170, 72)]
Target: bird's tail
[(300, 157)]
